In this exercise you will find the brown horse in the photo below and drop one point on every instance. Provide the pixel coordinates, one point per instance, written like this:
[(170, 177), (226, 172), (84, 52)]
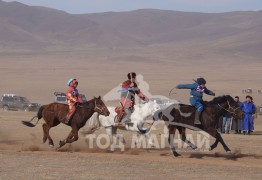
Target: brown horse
[(55, 113), (181, 116)]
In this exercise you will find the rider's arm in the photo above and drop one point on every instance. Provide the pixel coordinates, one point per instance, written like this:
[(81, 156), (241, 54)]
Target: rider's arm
[(207, 91), (79, 99), (141, 95), (186, 86)]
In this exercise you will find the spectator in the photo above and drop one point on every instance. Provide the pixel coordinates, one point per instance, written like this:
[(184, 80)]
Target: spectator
[(249, 110), (236, 123), (226, 122)]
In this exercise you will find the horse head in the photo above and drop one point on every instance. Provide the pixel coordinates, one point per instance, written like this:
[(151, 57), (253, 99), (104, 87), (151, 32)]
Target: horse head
[(100, 106), (151, 107), (234, 108), (227, 103)]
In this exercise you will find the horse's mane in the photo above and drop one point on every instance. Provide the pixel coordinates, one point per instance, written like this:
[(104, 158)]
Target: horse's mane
[(218, 100)]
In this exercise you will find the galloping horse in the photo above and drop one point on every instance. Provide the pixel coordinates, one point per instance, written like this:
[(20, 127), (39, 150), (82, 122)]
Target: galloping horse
[(55, 113), (141, 112), (181, 116)]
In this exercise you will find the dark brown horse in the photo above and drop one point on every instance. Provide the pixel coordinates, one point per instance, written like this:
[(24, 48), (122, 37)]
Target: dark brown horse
[(55, 113), (181, 116)]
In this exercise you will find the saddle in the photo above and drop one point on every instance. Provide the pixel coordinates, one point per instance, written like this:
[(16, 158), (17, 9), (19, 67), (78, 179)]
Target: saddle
[(120, 113)]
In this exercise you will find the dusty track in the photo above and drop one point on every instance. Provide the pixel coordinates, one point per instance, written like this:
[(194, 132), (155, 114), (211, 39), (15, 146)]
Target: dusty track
[(24, 156)]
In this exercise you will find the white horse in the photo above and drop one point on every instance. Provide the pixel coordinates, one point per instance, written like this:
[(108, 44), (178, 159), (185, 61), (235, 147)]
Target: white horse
[(138, 117)]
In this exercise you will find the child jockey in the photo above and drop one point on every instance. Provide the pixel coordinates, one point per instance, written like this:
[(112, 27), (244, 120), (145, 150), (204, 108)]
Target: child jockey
[(196, 91), (72, 97), (128, 92)]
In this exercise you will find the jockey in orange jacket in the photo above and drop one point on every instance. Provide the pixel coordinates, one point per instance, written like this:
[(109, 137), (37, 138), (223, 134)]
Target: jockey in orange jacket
[(72, 98)]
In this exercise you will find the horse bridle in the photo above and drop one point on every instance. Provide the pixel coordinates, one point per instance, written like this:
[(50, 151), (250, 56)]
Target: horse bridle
[(100, 110), (229, 108)]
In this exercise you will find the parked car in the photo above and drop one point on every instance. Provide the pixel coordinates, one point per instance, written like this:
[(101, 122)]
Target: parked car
[(15, 102), (61, 97)]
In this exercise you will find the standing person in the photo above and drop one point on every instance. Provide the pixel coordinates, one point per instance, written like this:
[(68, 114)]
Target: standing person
[(128, 92), (249, 110), (72, 98), (196, 91), (226, 122), (237, 123)]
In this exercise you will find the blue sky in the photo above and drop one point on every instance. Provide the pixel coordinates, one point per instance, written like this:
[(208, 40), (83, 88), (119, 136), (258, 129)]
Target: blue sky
[(91, 6)]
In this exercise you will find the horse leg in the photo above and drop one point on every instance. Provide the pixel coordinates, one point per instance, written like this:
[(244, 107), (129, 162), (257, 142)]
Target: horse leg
[(44, 133), (223, 143), (171, 136), (218, 139), (214, 145), (119, 137), (109, 132), (117, 140), (46, 129), (74, 138), (182, 132), (69, 137)]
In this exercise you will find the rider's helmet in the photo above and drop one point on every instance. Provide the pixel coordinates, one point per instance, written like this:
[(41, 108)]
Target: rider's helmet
[(201, 81), (71, 82), (133, 74)]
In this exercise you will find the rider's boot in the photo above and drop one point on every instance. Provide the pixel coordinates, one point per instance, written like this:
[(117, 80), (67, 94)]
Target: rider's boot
[(197, 118)]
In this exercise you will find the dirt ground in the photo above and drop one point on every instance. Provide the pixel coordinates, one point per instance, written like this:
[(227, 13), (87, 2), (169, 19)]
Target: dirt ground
[(23, 156), (37, 75)]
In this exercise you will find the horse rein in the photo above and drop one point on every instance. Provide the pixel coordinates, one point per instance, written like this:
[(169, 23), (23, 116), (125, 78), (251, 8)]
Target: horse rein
[(229, 107)]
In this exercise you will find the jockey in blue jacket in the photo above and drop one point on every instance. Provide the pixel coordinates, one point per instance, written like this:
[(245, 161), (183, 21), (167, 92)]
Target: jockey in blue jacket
[(196, 91)]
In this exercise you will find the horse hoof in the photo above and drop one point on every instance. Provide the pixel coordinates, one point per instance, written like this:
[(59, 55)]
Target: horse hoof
[(51, 145), (61, 143), (228, 151), (176, 154), (211, 148), (194, 148)]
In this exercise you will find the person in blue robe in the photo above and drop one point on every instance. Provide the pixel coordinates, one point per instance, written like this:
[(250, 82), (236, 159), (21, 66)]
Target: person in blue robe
[(249, 109)]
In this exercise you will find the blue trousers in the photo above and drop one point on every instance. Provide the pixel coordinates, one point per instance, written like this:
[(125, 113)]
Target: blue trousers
[(197, 103), (226, 122)]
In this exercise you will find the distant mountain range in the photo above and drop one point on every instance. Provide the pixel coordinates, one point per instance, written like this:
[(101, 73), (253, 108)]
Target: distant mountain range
[(23, 26)]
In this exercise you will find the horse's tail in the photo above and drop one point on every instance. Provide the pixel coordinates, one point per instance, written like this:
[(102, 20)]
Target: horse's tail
[(39, 113), (39, 116)]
